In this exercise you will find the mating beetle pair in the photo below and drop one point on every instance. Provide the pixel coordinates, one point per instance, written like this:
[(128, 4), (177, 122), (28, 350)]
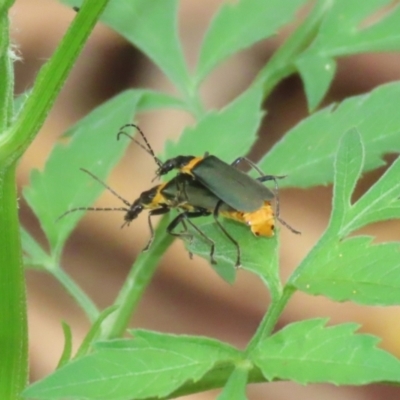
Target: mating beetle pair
[(207, 185), (204, 186)]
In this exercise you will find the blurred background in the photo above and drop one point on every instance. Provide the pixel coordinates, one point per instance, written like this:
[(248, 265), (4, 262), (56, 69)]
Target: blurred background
[(185, 296)]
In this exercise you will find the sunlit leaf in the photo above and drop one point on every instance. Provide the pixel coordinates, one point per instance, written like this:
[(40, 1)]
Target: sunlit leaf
[(151, 26), (348, 28), (306, 153), (309, 352), (150, 365), (240, 24), (61, 186)]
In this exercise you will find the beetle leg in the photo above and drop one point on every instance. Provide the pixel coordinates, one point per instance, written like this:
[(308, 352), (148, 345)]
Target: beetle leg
[(184, 233), (185, 217), (264, 178), (157, 211), (227, 234), (276, 190), (277, 204), (252, 165), (181, 189)]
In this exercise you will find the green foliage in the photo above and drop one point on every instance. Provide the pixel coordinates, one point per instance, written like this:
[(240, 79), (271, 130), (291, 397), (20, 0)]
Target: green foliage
[(44, 195), (239, 25), (244, 114), (373, 276), (346, 29), (16, 133), (312, 144), (333, 145), (150, 365), (308, 352)]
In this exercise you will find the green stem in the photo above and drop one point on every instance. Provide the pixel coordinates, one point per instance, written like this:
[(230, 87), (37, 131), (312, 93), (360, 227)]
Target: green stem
[(35, 255), (6, 68), (275, 287), (13, 311), (271, 318), (13, 143), (49, 82), (135, 284), (282, 63), (279, 302), (77, 293), (13, 321)]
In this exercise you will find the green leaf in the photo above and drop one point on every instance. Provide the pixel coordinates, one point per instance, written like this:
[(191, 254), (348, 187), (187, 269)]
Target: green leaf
[(61, 185), (150, 365), (235, 388), (151, 26), (346, 30), (228, 133), (225, 251), (348, 166), (151, 99), (355, 270), (308, 352), (317, 72), (241, 24), (380, 203), (306, 153), (258, 254)]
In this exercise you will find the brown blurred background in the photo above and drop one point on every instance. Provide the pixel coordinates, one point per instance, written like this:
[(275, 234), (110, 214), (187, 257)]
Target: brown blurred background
[(185, 296)]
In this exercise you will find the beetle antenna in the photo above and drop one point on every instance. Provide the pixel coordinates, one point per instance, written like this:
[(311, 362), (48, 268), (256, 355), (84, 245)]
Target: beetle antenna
[(148, 149), (92, 209), (126, 202)]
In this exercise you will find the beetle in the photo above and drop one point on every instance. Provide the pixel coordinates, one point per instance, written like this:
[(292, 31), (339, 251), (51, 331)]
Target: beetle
[(234, 187), (192, 200), (158, 200), (192, 195)]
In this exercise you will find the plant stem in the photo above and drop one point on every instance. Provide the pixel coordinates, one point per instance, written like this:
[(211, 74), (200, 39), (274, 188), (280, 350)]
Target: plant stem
[(136, 282), (13, 143), (13, 318), (13, 321), (49, 82), (280, 66), (271, 318), (273, 282), (76, 292), (6, 67)]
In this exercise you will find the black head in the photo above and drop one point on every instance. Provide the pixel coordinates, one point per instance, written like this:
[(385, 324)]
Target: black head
[(174, 163), (147, 200), (134, 210)]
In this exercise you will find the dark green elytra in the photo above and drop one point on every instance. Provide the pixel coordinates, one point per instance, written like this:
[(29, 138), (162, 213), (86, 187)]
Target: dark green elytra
[(234, 187), (184, 189)]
